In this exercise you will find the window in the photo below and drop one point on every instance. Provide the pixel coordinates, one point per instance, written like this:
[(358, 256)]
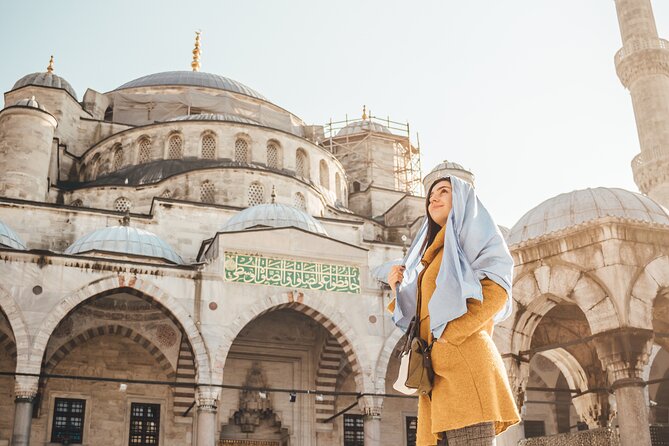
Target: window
[(301, 164), (354, 430), (356, 186), (324, 172), (77, 203), (175, 147), (93, 167), (534, 429), (256, 194), (122, 204), (207, 192), (411, 424), (338, 190), (118, 159), (272, 155), (166, 194), (144, 151), (68, 421), (299, 202), (144, 424), (208, 147), (242, 150)]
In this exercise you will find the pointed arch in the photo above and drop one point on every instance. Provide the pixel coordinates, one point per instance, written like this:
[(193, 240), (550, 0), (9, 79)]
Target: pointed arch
[(18, 326), (384, 359)]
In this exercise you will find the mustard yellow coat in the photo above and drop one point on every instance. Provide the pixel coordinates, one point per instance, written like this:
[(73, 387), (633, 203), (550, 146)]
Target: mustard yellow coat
[(471, 385)]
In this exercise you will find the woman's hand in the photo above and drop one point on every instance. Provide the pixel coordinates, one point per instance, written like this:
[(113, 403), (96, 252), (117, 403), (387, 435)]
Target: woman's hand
[(396, 275)]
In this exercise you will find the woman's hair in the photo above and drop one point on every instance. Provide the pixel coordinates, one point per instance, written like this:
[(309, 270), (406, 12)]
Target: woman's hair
[(432, 227)]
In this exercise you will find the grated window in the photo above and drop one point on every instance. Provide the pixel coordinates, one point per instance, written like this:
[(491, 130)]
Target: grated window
[(208, 147), (299, 202), (207, 192), (324, 174), (256, 194), (122, 204), (301, 165), (144, 424), (144, 151), (241, 150), (77, 203), (68, 421), (118, 159), (166, 194), (175, 148), (272, 156)]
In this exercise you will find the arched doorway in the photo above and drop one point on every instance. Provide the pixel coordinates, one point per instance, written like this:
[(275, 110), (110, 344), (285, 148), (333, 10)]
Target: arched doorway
[(7, 366)]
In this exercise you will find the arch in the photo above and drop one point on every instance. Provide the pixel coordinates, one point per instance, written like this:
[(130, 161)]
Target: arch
[(146, 288), (648, 284), (94, 167), (384, 359), (356, 186), (338, 190), (109, 330), (569, 366), (175, 147), (299, 201), (19, 329), (207, 192), (274, 154), (144, 150), (315, 308), (118, 157), (324, 174), (301, 163), (242, 152), (256, 194), (208, 145), (122, 204)]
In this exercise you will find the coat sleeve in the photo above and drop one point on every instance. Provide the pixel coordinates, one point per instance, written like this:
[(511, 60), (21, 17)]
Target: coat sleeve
[(478, 313)]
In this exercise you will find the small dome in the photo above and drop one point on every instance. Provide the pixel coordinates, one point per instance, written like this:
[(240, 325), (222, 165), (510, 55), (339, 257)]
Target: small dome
[(447, 168), (193, 79), (30, 102), (363, 126), (274, 215), (125, 240), (45, 79), (581, 206), (215, 117), (9, 238)]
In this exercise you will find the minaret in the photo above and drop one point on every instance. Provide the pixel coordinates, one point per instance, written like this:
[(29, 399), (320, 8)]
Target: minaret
[(642, 65)]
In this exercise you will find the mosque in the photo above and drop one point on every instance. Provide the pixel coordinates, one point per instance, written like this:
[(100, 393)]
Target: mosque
[(185, 262)]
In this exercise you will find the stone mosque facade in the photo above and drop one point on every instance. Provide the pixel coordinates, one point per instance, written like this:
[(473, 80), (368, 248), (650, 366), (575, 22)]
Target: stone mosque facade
[(184, 262)]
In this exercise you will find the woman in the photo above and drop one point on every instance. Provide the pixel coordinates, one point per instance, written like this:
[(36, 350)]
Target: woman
[(460, 267)]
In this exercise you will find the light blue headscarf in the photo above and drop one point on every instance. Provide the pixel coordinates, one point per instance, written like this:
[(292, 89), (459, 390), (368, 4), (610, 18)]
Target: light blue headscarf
[(473, 250)]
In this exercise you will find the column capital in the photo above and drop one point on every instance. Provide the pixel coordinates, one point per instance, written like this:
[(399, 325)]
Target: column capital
[(624, 352), (207, 398), (371, 407), (25, 388)]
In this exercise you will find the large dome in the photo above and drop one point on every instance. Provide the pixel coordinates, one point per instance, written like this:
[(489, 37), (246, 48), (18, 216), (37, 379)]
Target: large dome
[(125, 240), (45, 79), (363, 126), (215, 117), (274, 215), (9, 238), (581, 206), (193, 79)]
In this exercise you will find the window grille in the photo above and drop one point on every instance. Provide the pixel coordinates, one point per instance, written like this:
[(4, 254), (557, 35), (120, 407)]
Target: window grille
[(324, 174), (122, 204), (242, 150), (208, 147), (299, 201), (144, 424), (207, 192), (534, 428), (256, 194), (68, 421), (77, 203), (117, 162), (301, 165), (166, 194), (354, 430), (175, 148), (272, 155), (144, 151), (412, 427)]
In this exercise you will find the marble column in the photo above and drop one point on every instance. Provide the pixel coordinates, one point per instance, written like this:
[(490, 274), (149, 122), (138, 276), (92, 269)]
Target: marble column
[(207, 397), (624, 353), (25, 391), (371, 406)]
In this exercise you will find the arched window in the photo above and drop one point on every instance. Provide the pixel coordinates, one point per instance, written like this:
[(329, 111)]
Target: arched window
[(208, 147), (94, 167), (301, 164), (166, 194), (356, 186), (338, 190), (324, 173), (109, 114), (144, 155), (77, 203), (242, 152), (122, 204), (118, 158), (299, 201), (207, 192), (175, 147), (273, 156), (256, 194)]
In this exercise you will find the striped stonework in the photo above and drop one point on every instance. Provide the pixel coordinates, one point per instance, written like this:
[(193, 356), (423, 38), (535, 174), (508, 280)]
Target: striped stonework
[(184, 397), (8, 345), (326, 380)]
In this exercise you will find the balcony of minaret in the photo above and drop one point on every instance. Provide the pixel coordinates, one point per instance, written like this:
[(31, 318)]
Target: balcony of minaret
[(641, 57), (650, 169)]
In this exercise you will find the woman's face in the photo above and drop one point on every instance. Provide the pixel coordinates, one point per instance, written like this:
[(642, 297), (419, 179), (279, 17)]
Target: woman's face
[(440, 202)]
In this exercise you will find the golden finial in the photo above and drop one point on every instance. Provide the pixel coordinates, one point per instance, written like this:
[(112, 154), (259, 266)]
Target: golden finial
[(364, 112), (49, 69), (196, 52)]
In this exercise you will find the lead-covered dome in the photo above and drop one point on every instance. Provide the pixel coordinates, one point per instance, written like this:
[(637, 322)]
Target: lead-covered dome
[(125, 240), (45, 79), (192, 79), (30, 102), (9, 238), (273, 215), (582, 206), (215, 117), (363, 126), (447, 168)]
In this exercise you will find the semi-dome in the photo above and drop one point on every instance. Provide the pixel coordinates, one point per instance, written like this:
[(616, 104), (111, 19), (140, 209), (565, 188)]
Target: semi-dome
[(215, 117), (125, 240), (193, 79), (581, 206), (9, 238), (273, 215), (30, 102), (45, 79), (363, 126)]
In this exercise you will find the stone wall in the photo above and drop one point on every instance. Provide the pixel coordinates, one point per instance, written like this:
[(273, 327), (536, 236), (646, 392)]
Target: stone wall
[(594, 437), (7, 364)]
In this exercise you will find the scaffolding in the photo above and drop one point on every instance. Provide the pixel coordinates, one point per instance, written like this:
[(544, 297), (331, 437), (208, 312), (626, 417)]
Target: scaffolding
[(343, 138)]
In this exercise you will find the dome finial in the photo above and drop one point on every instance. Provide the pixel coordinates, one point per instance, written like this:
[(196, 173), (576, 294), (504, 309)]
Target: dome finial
[(273, 195), (364, 112), (49, 69), (196, 52)]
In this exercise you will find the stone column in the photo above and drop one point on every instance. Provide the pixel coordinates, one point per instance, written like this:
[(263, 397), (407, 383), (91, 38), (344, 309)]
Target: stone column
[(624, 353), (25, 391), (207, 397), (371, 406)]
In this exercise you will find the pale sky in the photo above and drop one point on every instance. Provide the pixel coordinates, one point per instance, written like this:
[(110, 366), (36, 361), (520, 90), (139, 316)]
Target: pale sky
[(522, 92)]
